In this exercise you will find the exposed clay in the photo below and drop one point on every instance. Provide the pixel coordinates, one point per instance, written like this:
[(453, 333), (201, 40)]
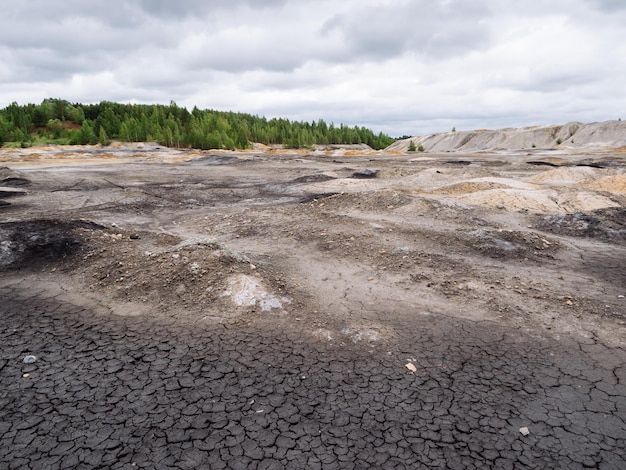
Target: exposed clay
[(226, 310)]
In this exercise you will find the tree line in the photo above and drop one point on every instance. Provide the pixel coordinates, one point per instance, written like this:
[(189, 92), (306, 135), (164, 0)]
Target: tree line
[(61, 122)]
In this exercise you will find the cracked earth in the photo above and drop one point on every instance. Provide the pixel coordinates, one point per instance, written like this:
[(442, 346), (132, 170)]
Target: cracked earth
[(233, 310)]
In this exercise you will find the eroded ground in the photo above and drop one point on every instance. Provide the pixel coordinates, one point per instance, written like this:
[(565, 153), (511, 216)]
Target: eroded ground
[(278, 310)]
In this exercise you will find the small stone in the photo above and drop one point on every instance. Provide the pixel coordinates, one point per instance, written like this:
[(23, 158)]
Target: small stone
[(134, 236), (524, 431), (29, 359), (411, 367), (621, 297)]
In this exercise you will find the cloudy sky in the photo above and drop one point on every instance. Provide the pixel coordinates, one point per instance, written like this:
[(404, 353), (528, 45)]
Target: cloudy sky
[(397, 66)]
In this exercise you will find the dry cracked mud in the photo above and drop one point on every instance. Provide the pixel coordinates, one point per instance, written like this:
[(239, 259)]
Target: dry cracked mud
[(292, 310)]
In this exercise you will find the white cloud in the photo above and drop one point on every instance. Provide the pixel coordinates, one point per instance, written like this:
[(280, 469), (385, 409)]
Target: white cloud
[(404, 67)]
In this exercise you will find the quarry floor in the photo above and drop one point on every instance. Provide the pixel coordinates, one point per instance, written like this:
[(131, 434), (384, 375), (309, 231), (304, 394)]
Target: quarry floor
[(312, 309)]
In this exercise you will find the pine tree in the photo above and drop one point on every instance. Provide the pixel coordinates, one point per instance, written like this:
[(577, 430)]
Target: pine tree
[(103, 138), (86, 134)]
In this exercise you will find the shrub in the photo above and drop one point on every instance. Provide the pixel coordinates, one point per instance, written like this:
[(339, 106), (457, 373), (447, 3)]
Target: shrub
[(420, 148), (412, 147)]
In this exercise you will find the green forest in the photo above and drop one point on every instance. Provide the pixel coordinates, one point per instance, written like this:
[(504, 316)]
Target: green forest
[(56, 121)]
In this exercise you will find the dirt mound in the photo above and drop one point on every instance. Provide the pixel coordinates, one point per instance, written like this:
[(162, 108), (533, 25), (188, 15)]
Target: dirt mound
[(514, 199), (545, 201), (378, 201), (195, 275), (171, 273), (609, 184), (474, 185), (469, 187), (566, 175)]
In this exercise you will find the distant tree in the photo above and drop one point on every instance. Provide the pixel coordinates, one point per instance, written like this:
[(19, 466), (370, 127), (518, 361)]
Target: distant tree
[(124, 135), (412, 147), (4, 130), (40, 116), (86, 135), (213, 141), (454, 129), (56, 127), (103, 138), (20, 136), (420, 148)]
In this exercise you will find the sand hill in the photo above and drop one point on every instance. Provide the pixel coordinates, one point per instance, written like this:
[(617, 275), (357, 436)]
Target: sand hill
[(571, 136)]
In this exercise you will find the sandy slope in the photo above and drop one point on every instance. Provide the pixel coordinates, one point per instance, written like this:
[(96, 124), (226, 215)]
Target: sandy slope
[(574, 135)]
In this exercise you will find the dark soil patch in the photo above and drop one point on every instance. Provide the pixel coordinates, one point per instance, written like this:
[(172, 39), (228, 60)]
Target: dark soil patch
[(29, 244), (510, 244), (365, 174), (312, 179), (14, 181), (607, 224)]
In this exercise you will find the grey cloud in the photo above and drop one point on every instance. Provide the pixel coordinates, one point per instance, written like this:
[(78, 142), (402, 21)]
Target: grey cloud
[(241, 58), (609, 5), (76, 30), (35, 11), (124, 13), (284, 82), (169, 10), (432, 29), (556, 82), (107, 32)]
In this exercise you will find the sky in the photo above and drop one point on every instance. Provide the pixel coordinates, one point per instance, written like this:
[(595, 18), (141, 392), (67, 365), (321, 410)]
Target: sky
[(398, 66)]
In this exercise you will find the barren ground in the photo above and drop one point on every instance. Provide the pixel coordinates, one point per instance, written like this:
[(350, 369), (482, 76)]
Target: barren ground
[(416, 318)]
